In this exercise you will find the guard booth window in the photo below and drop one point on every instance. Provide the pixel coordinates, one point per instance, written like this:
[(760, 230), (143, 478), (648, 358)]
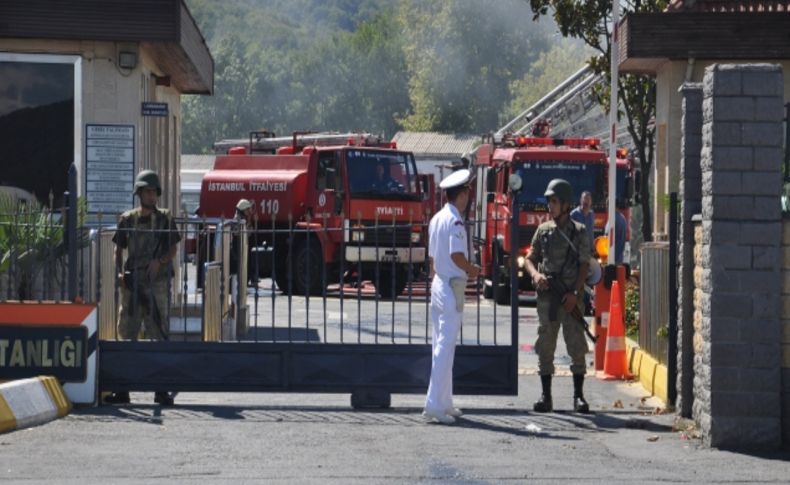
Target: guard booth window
[(37, 125)]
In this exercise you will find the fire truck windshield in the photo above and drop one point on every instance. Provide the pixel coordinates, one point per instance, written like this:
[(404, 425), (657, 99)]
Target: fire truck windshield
[(536, 176), (381, 174)]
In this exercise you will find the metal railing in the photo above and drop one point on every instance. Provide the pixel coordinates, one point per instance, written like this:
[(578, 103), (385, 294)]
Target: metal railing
[(282, 290), (654, 300)]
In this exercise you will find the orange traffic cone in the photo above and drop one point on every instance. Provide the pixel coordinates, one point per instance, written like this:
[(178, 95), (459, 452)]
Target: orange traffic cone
[(615, 364)]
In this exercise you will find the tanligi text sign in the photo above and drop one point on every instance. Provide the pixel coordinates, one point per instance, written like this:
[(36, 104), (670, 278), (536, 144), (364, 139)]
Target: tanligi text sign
[(27, 351)]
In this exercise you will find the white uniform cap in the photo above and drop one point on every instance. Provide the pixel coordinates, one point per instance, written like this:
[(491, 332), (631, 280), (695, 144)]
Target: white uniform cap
[(455, 179), (243, 205)]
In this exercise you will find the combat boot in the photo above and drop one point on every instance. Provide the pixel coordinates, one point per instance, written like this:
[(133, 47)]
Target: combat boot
[(579, 403), (117, 398), (544, 404)]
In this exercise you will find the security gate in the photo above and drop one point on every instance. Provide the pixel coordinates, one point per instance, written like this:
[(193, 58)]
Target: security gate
[(267, 339), (226, 336)]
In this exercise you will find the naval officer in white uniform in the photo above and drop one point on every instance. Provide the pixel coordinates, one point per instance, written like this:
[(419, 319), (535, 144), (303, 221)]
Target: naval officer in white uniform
[(450, 266)]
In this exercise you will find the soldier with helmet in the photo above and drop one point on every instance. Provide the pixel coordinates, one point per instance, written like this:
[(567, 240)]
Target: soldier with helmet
[(150, 237), (561, 252)]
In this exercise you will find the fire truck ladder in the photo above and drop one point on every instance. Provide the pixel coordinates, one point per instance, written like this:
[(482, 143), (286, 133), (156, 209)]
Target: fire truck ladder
[(572, 110), (259, 142)]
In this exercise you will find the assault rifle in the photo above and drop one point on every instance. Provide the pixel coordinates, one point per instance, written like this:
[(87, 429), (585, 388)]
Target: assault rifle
[(560, 290)]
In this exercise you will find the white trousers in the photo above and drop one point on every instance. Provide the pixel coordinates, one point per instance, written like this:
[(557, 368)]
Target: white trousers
[(446, 325)]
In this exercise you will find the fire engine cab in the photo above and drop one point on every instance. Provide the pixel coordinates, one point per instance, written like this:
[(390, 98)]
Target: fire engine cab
[(324, 203), (536, 161)]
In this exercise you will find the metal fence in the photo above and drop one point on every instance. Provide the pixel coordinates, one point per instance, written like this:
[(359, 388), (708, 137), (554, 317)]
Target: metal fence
[(208, 301), (654, 300)]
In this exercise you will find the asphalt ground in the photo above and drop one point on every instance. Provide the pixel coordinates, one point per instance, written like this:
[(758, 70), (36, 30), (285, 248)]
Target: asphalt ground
[(318, 438)]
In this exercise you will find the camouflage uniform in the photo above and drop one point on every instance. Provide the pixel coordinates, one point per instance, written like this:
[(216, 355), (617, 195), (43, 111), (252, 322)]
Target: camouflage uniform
[(145, 239), (551, 254)]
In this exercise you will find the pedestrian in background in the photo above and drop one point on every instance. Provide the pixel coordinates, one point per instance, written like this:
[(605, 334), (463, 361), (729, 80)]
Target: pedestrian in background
[(583, 214), (558, 262), (150, 237), (243, 214), (450, 266)]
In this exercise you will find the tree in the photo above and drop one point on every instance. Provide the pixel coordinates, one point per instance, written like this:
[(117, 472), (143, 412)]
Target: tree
[(462, 57), (590, 21), (552, 67)]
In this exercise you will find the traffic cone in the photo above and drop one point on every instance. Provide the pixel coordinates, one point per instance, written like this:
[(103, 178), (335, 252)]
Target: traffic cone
[(615, 364)]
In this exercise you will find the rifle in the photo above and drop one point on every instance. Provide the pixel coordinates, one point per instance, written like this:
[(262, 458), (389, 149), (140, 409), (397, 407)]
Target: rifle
[(559, 289), (145, 296)]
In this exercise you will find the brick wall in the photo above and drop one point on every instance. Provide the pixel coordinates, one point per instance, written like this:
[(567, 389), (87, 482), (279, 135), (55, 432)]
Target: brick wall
[(786, 330), (737, 363)]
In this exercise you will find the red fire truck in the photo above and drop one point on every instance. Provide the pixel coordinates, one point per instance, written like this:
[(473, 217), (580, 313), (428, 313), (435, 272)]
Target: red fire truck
[(324, 202), (536, 161)]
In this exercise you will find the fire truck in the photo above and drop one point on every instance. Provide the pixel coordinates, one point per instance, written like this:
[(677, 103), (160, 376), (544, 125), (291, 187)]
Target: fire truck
[(324, 203), (536, 161)]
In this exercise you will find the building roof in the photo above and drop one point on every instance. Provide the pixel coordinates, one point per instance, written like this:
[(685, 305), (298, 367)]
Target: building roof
[(435, 145), (747, 31), (728, 6), (164, 28)]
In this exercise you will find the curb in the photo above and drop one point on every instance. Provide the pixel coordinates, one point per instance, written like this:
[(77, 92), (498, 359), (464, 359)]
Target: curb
[(652, 374), (30, 402)]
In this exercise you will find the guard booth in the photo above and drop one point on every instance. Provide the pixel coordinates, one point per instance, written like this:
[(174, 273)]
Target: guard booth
[(236, 333)]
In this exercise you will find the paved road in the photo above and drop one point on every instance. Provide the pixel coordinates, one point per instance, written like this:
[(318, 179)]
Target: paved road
[(232, 438), (317, 438)]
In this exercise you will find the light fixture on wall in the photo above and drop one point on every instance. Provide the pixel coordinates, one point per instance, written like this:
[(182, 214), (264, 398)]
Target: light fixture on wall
[(127, 59)]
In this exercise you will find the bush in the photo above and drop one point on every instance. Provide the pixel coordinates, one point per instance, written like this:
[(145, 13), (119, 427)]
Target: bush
[(632, 310)]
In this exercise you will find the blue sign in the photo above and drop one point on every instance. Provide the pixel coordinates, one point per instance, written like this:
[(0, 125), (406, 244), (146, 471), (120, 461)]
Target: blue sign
[(154, 109)]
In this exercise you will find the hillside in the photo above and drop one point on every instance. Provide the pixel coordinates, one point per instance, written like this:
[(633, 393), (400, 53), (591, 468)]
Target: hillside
[(372, 65)]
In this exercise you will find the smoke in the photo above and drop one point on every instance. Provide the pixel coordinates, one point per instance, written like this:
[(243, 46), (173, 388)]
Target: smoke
[(360, 65)]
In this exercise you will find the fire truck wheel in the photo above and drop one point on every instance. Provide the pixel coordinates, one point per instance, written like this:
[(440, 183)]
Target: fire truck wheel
[(307, 266), (385, 287)]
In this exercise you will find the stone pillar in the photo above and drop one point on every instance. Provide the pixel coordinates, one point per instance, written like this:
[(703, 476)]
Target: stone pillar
[(737, 379), (690, 195)]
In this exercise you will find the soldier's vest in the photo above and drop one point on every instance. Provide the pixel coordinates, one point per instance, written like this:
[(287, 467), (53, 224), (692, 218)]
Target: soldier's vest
[(148, 238), (559, 256)]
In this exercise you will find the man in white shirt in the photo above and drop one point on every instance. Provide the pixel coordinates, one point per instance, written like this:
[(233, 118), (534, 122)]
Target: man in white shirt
[(447, 248)]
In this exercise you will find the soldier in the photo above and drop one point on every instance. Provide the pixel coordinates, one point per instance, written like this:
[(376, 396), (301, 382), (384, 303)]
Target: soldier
[(560, 251), (450, 267), (150, 237), (243, 213)]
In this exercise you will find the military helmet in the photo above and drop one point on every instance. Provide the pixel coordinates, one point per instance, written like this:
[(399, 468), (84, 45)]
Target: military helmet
[(561, 189), (147, 178), (243, 204)]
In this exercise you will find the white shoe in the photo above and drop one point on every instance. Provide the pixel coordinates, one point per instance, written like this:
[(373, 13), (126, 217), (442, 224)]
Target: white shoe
[(431, 417), (454, 412)]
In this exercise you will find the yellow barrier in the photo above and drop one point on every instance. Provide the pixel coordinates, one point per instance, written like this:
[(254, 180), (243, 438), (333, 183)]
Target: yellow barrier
[(651, 374)]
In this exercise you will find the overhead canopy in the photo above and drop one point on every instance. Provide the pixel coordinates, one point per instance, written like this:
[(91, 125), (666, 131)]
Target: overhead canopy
[(704, 30), (165, 28)]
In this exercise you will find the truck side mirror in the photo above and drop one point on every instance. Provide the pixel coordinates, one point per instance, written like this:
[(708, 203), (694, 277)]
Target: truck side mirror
[(338, 201), (331, 179), (636, 191)]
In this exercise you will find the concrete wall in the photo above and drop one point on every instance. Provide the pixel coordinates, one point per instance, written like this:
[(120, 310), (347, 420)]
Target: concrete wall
[(114, 95)]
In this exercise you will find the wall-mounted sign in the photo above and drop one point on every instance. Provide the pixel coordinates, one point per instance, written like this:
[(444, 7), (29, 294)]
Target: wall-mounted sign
[(57, 339), (154, 109), (54, 350), (109, 168)]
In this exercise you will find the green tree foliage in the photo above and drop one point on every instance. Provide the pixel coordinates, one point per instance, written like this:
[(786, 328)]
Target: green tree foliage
[(362, 65), (590, 21), (552, 67), (462, 57)]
